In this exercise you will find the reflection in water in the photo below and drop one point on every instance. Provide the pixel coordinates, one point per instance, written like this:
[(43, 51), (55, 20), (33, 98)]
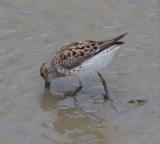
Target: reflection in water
[(73, 120), (77, 123), (48, 100)]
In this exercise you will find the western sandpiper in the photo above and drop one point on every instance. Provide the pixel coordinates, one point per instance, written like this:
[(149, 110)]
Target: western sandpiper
[(80, 58)]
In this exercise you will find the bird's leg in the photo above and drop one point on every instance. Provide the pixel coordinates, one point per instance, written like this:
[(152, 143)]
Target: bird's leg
[(47, 84), (77, 89), (106, 94)]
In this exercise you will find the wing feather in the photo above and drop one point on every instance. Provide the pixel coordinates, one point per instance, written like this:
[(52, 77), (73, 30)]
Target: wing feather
[(74, 54)]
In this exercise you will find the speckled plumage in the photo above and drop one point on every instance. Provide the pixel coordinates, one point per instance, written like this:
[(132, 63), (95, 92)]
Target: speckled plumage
[(74, 58)]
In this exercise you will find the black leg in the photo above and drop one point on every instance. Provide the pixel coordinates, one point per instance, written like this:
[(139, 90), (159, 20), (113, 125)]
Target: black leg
[(75, 91), (106, 94), (47, 84)]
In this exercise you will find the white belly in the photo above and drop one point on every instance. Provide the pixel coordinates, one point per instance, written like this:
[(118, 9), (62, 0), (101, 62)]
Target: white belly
[(97, 62)]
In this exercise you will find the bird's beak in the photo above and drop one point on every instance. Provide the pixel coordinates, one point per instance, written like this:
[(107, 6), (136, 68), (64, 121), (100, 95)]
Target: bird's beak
[(47, 84)]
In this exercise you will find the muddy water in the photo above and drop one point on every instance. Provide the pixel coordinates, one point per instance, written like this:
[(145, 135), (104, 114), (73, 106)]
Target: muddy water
[(32, 30)]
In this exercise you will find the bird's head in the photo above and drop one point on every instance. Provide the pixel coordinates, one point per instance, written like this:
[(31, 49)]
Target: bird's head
[(45, 74), (48, 73)]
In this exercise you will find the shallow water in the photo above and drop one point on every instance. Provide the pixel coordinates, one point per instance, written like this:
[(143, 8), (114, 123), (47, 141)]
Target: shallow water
[(32, 30)]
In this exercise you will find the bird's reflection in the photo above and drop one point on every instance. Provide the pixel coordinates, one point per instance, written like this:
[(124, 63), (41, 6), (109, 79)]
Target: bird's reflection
[(48, 100), (77, 123), (71, 119)]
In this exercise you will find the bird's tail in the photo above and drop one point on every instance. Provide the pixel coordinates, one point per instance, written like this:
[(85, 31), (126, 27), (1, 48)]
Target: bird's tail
[(112, 41)]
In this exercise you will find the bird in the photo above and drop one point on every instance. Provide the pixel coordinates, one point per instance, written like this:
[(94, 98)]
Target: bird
[(80, 58)]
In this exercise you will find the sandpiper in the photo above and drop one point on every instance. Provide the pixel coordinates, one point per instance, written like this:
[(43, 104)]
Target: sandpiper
[(80, 58)]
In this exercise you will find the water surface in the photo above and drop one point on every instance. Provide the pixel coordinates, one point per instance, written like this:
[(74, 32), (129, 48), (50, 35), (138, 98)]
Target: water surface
[(32, 30)]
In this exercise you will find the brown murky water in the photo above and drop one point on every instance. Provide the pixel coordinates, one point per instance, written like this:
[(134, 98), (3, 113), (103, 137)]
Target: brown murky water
[(32, 30)]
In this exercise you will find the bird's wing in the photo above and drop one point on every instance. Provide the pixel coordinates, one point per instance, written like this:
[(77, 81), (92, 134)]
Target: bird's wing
[(76, 53)]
